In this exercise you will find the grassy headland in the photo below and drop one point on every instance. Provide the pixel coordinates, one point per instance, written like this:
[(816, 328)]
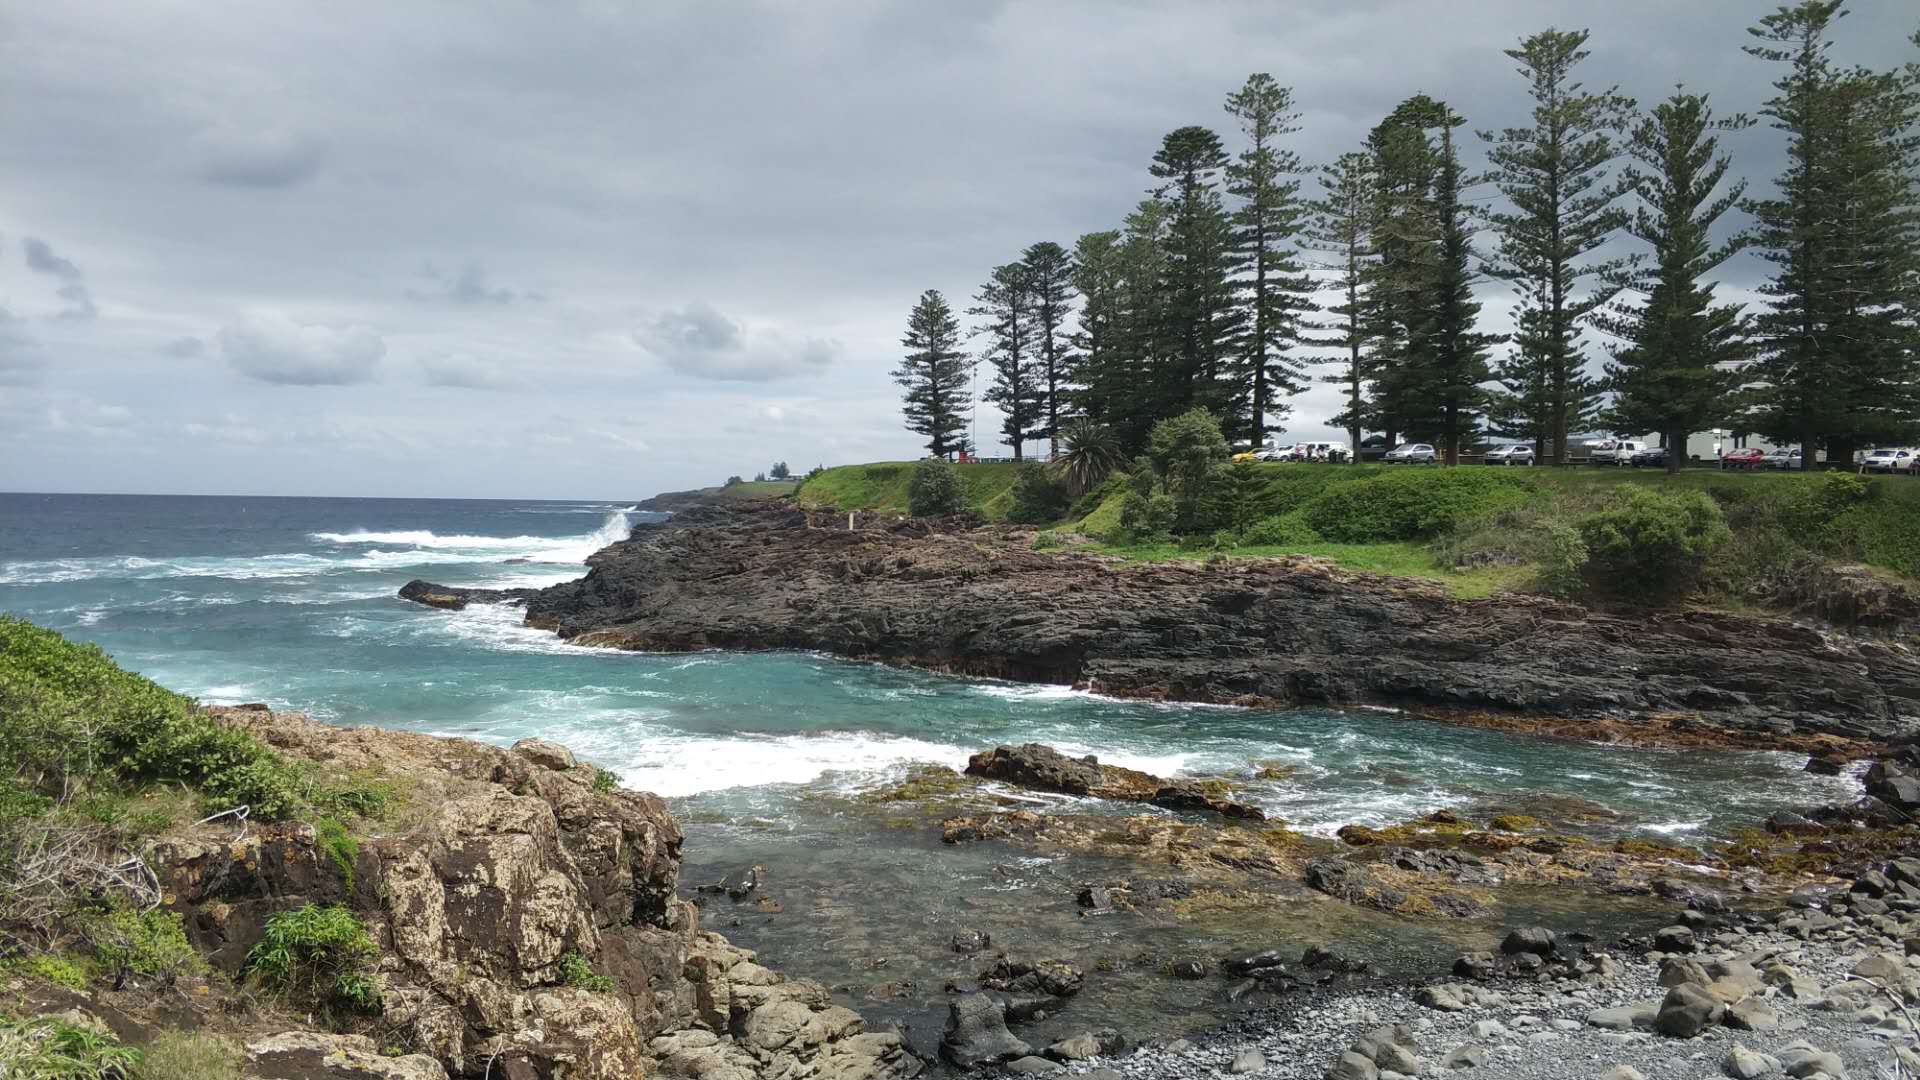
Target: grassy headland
[(882, 488)]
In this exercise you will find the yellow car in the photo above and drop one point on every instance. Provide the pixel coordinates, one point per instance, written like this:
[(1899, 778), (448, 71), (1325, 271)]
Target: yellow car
[(1250, 455)]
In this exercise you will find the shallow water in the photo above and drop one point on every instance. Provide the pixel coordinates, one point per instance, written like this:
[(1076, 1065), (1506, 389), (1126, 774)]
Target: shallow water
[(291, 601)]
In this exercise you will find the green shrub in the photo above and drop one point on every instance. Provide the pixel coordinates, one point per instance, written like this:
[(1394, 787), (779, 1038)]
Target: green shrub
[(74, 973), (1189, 454), (1563, 558), (180, 1055), (1280, 530), (131, 943), (934, 490), (50, 1048), (1410, 504), (321, 955), (1046, 541), (1039, 496), (576, 972), (339, 846), (1651, 544), (1144, 519), (605, 780)]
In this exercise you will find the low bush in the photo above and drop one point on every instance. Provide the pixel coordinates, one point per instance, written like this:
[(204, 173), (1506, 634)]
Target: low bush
[(1409, 504), (1649, 544), (1280, 530), (576, 972), (1046, 541), (52, 1048), (321, 955), (74, 973), (934, 490), (605, 780), (131, 944), (180, 1055), (339, 846), (1144, 519), (1039, 495)]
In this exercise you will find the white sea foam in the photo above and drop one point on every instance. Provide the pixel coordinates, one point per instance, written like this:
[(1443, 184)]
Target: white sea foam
[(680, 765), (570, 549)]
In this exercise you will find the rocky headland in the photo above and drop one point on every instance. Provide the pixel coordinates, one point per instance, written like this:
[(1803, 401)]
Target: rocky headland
[(960, 597)]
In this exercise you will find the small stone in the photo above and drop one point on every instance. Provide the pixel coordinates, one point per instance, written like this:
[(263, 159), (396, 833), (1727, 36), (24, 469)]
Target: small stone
[(1752, 1015), (1625, 1017), (1466, 1057), (1074, 1048), (1674, 939), (1352, 1066), (1189, 969), (1034, 1066), (968, 942), (1675, 970), (1622, 1072), (1802, 1060), (1878, 966), (1488, 1029), (1537, 940), (1248, 1060), (1745, 1064)]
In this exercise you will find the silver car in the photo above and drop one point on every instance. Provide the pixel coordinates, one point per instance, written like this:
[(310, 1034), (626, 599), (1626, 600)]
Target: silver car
[(1516, 454), (1411, 454)]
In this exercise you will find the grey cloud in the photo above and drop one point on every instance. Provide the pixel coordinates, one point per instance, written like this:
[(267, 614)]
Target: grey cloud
[(42, 260), (260, 160), (470, 286), (275, 349), (699, 341), (463, 373), (184, 348), (20, 361)]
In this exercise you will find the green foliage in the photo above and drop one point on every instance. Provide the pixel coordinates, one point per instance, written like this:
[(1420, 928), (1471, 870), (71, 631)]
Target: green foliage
[(1650, 544), (576, 972), (1413, 504), (883, 488), (934, 490), (1280, 530), (1039, 496), (1092, 455), (73, 972), (604, 780), (1046, 541), (779, 471), (340, 847), (131, 943), (321, 955), (1144, 519), (734, 480), (933, 375), (180, 1055), (50, 1048)]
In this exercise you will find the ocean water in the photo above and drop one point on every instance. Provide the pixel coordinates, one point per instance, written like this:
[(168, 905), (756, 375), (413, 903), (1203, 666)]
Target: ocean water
[(291, 601)]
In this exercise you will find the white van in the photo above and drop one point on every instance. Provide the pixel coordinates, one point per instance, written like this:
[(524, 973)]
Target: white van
[(1320, 451)]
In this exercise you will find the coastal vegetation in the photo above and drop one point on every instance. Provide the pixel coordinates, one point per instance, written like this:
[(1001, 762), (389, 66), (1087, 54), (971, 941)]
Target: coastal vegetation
[(1604, 224)]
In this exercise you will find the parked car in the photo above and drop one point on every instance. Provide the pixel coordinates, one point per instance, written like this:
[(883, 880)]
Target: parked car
[(1751, 458), (1514, 454), (1653, 457), (1614, 451), (1277, 452), (1781, 458), (1320, 451), (1891, 459), (1418, 453)]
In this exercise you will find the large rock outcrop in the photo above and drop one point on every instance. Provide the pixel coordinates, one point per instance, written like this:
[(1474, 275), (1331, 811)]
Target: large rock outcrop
[(499, 866), (1285, 631)]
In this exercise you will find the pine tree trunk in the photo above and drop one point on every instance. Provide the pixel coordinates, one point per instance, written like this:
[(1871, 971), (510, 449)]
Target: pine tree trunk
[(1676, 451)]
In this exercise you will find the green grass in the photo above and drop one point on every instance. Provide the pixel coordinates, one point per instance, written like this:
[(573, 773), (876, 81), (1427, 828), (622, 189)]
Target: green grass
[(882, 488), (1393, 559), (753, 490)]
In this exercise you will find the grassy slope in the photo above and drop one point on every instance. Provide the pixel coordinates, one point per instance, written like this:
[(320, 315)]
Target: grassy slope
[(1394, 560), (882, 487)]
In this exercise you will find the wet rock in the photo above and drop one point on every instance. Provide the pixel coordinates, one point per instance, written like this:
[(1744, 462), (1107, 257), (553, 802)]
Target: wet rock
[(1337, 878), (1688, 1010), (1474, 965), (1054, 977), (968, 942), (1189, 969), (1256, 962), (1321, 958), (976, 1034), (1537, 940), (1095, 898), (1827, 764), (1788, 823), (1042, 768)]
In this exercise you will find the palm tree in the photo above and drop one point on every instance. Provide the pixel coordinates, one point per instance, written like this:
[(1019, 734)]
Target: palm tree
[(1093, 452)]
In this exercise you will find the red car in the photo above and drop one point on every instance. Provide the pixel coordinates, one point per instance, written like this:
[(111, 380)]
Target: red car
[(1750, 458)]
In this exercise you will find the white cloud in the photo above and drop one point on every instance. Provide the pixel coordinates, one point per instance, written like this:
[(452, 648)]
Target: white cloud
[(273, 348), (699, 341), (464, 373)]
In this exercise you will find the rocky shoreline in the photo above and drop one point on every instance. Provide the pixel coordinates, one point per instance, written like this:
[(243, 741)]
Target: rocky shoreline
[(959, 597)]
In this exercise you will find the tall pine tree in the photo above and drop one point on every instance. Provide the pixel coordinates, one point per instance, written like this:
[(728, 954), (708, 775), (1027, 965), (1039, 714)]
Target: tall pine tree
[(1006, 306), (1277, 291), (1097, 276), (1341, 231), (1048, 270), (1405, 226), (1557, 175), (934, 373), (1201, 316), (1679, 360)]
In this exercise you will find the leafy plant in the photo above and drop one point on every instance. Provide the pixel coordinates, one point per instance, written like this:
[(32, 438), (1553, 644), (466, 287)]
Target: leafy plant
[(131, 943), (1092, 454), (49, 1048), (1413, 504), (1651, 544), (1046, 541), (604, 780), (318, 954), (1279, 530), (576, 972), (1038, 495), (339, 846), (934, 490), (74, 973)]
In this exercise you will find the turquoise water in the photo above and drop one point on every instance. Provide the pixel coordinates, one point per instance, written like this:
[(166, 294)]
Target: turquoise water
[(291, 602)]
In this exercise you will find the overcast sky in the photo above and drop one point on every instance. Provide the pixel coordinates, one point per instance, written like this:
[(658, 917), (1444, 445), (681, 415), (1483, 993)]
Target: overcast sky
[(597, 250)]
